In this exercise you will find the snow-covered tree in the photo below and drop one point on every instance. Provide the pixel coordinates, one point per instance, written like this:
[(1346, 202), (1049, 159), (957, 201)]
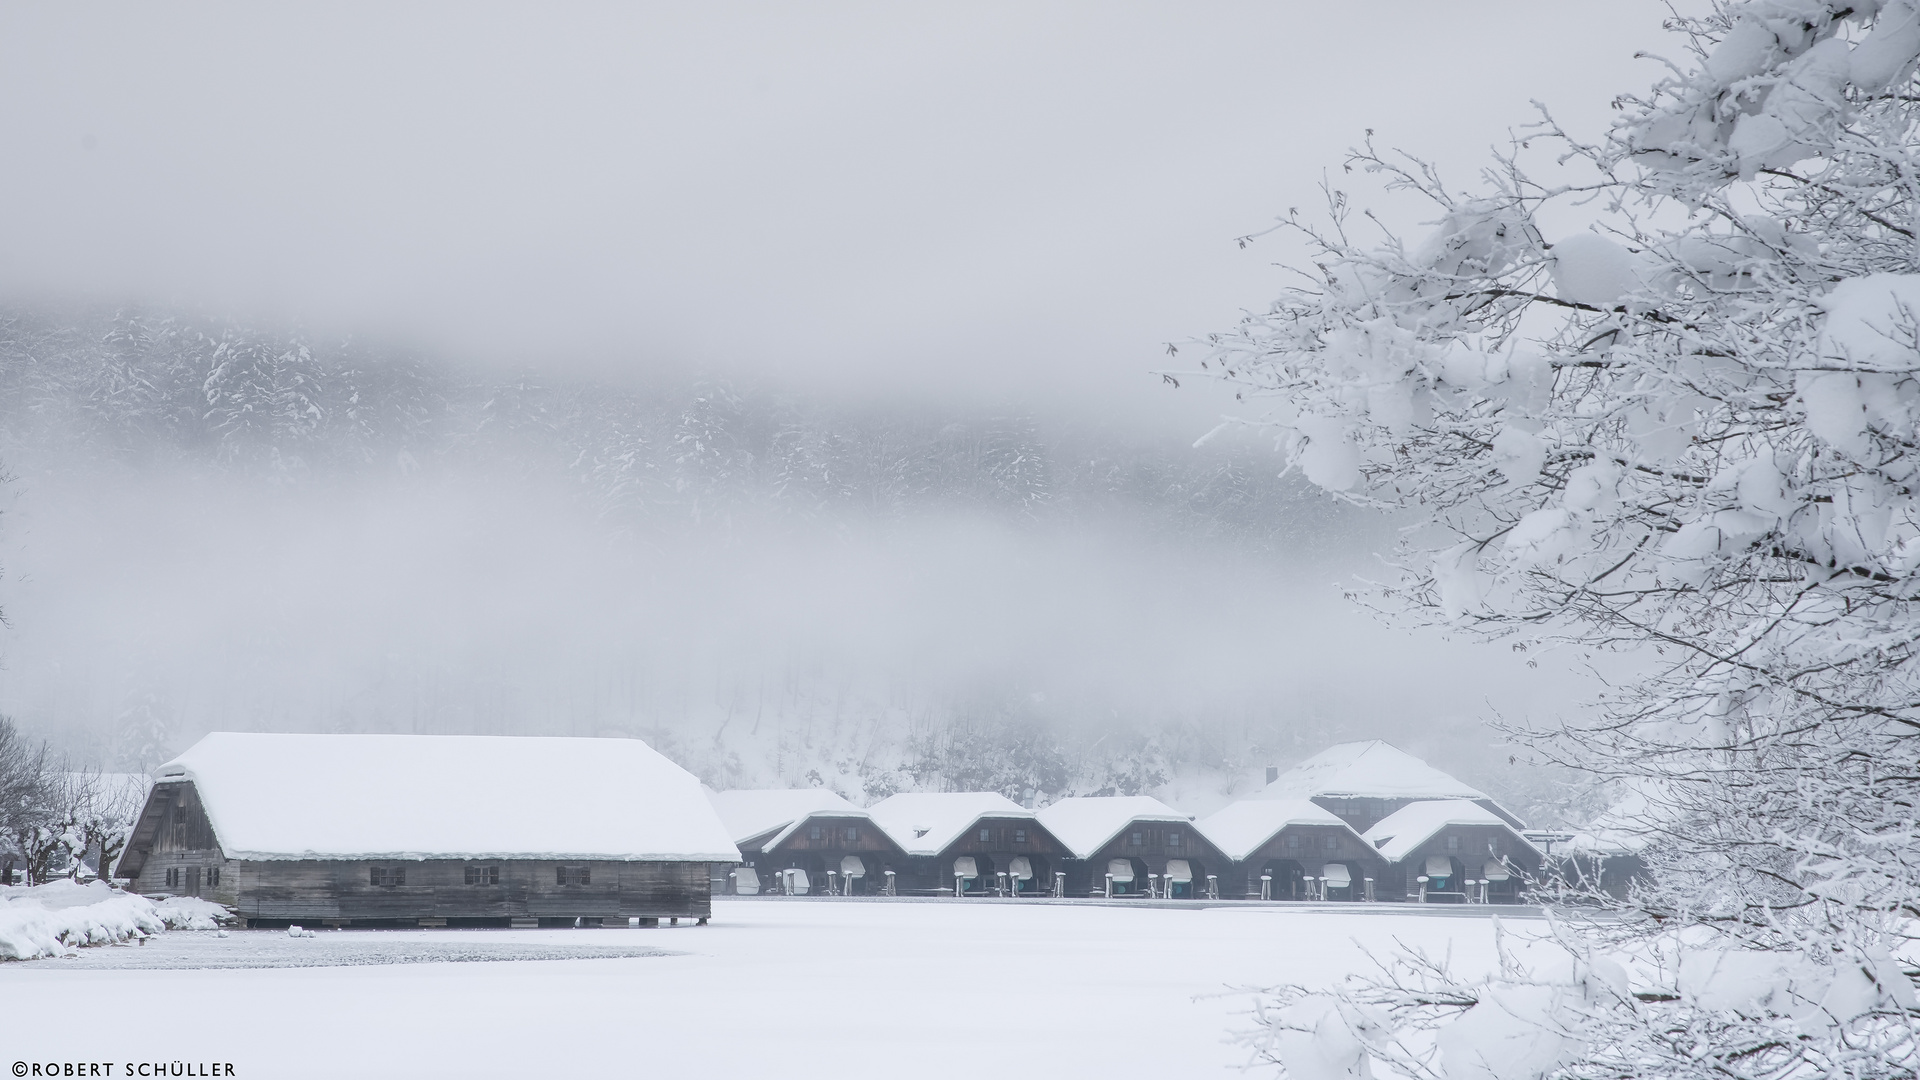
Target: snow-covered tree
[(1691, 428), (100, 810), (29, 796), (263, 396), (144, 730)]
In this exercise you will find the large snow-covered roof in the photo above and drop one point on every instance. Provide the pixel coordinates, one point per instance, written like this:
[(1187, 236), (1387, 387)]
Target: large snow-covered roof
[(925, 822), (755, 812), (1366, 770), (448, 796), (1085, 825), (1238, 829), (1402, 832)]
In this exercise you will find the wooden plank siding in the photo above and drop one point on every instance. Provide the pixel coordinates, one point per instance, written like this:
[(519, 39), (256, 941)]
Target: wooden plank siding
[(437, 888), (1469, 847), (174, 834), (173, 852), (1152, 843), (994, 842), (1300, 850), (818, 844)]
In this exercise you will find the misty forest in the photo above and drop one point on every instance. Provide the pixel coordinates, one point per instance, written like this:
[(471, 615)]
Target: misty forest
[(653, 509)]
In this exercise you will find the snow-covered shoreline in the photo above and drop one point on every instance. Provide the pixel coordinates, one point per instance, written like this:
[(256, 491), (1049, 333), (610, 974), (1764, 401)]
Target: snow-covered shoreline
[(56, 918)]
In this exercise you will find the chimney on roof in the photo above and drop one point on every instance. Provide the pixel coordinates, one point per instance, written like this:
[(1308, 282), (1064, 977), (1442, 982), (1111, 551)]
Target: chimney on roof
[(1273, 773)]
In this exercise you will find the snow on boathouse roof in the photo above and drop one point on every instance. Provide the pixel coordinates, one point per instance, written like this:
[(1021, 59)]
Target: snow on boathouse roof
[(448, 796), (1366, 770), (1238, 829), (1085, 825), (753, 813), (926, 822), (1401, 833)]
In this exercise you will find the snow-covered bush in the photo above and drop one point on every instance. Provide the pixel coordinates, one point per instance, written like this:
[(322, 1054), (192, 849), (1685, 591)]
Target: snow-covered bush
[(56, 918), (1692, 428)]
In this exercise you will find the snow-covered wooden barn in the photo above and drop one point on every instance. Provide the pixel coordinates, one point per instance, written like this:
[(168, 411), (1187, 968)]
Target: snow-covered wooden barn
[(1363, 782), (1453, 850), (975, 843), (806, 841), (1292, 849), (1133, 845), (429, 830)]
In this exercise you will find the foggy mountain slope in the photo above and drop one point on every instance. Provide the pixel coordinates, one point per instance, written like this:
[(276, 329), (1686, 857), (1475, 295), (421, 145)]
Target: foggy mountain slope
[(210, 395), (222, 527)]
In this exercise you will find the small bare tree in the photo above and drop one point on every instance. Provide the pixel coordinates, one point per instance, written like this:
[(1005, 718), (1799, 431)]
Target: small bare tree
[(100, 811)]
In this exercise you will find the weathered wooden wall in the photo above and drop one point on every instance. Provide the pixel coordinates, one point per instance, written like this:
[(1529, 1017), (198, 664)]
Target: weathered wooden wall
[(818, 854), (1473, 846), (1002, 841), (1154, 843), (174, 834), (437, 889), (1312, 847)]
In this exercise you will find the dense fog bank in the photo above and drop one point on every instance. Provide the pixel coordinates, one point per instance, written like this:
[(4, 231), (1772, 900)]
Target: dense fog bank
[(217, 527)]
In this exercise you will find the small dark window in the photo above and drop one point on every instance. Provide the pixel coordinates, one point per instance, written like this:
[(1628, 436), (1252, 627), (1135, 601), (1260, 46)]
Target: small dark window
[(1135, 839), (813, 832), (1019, 836), (986, 835), (1173, 839), (213, 875), (173, 878), (1333, 843), (1453, 843), (1293, 842), (387, 875), (572, 875), (853, 834), (483, 875)]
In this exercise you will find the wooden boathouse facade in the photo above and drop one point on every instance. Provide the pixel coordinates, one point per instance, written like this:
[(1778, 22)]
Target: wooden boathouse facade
[(1453, 851), (413, 830), (1293, 849), (1135, 845), (807, 842), (970, 843)]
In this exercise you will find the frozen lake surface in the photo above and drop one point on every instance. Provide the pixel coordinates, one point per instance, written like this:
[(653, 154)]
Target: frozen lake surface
[(801, 988), (201, 950)]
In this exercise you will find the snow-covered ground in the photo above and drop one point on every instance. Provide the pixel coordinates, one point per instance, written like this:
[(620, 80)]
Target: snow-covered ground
[(795, 988)]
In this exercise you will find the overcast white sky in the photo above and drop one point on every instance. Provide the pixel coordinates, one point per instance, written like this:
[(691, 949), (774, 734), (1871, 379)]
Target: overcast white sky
[(1004, 204), (1008, 201)]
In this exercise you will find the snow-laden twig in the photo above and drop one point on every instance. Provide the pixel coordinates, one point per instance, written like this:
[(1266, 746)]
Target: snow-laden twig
[(1691, 430)]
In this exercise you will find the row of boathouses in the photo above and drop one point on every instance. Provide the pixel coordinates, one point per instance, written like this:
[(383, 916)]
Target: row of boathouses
[(474, 830), (1359, 821)]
